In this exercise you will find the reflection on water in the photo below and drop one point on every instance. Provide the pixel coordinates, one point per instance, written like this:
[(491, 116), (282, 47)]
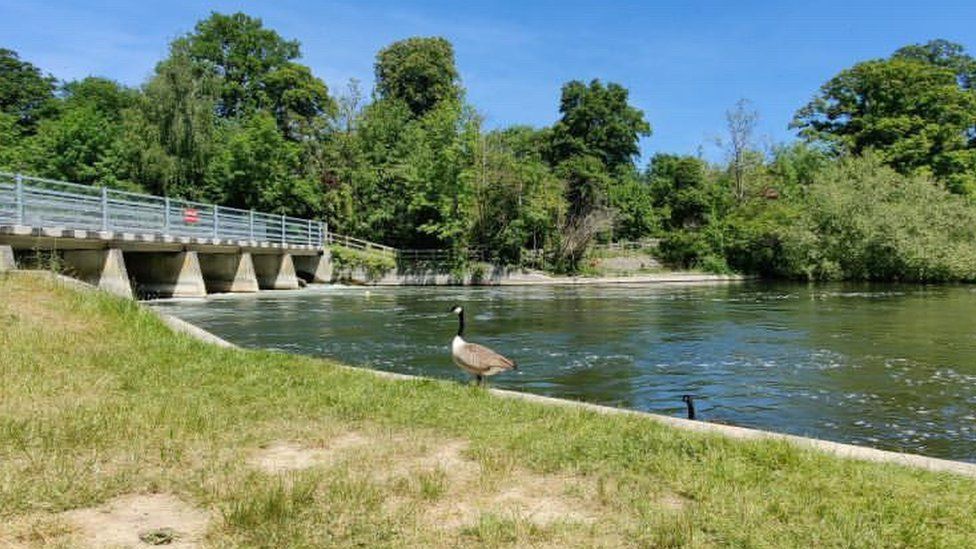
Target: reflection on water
[(888, 366)]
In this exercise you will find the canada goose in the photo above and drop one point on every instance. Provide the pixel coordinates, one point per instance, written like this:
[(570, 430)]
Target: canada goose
[(689, 400), (477, 360)]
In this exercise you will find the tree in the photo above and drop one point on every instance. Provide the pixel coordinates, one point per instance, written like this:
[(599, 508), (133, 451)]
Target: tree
[(82, 144), (261, 170), (946, 54), (173, 133), (680, 189), (911, 109), (25, 92), (255, 69), (418, 71), (597, 121), (518, 201), (740, 122)]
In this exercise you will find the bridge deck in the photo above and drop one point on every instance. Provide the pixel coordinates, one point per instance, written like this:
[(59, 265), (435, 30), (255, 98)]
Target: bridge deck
[(82, 212), (59, 238)]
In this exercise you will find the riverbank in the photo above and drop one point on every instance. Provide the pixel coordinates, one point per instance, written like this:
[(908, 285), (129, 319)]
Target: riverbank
[(104, 409), (513, 277)]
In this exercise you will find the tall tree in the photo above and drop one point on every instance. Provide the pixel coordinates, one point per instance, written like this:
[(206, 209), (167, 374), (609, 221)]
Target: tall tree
[(25, 92), (943, 53), (740, 122), (82, 144), (419, 71), (597, 121), (256, 70), (173, 135), (914, 109)]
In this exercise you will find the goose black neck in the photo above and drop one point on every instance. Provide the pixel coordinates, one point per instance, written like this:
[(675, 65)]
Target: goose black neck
[(691, 408), (460, 324)]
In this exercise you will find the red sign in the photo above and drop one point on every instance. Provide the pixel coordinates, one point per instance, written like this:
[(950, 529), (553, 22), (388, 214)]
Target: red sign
[(190, 215)]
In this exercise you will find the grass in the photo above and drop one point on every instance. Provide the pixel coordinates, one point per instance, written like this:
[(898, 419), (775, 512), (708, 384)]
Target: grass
[(98, 399)]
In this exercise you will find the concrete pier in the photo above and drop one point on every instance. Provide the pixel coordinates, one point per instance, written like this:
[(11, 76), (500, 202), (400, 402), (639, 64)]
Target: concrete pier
[(166, 274), (7, 261), (230, 272), (316, 269), (104, 268), (275, 271), (160, 265)]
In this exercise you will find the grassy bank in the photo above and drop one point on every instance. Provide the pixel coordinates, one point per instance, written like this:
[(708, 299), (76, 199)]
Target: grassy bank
[(98, 400)]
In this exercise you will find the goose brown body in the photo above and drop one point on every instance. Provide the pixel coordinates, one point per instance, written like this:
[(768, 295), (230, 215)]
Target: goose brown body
[(477, 360)]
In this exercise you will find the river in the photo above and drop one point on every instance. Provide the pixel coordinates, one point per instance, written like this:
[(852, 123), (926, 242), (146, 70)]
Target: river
[(887, 366)]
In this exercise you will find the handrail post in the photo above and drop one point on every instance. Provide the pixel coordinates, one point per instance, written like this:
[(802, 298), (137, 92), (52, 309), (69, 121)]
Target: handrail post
[(323, 233), (250, 224), (19, 197), (309, 232), (216, 220), (166, 215), (104, 208), (282, 229)]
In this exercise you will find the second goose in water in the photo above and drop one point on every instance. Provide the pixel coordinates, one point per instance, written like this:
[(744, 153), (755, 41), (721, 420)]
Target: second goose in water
[(477, 360)]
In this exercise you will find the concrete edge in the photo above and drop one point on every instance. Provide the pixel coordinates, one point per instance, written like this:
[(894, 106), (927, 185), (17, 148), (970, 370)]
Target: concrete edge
[(848, 451), (839, 449)]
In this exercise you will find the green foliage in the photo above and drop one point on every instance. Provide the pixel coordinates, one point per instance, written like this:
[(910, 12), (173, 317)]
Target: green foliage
[(597, 121), (173, 134), (915, 109), (681, 190), (25, 93), (860, 220), (254, 69), (261, 170), (418, 71), (518, 202), (633, 204), (83, 143), (374, 264)]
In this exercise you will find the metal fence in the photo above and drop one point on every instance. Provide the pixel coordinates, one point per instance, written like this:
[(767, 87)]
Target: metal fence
[(36, 202), (359, 244)]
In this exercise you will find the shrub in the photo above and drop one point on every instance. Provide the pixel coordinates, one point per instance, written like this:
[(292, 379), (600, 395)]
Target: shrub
[(374, 264)]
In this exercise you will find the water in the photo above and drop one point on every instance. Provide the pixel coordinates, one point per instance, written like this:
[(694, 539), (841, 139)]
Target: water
[(887, 366)]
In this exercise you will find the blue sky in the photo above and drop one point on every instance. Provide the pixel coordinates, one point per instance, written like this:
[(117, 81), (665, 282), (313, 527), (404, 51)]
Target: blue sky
[(685, 63)]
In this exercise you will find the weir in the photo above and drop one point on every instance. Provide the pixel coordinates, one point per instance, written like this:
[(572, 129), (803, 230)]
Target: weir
[(152, 246)]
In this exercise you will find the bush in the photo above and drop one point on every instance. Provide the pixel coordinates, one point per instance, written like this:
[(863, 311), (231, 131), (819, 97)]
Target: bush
[(374, 264), (860, 220)]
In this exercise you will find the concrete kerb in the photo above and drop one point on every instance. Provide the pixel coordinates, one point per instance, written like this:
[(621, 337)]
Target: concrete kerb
[(848, 451)]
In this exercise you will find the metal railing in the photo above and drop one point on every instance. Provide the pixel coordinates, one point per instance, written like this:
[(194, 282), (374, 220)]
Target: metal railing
[(645, 244), (359, 244), (37, 202)]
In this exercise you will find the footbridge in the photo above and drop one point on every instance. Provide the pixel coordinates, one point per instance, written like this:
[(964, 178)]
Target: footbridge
[(138, 244)]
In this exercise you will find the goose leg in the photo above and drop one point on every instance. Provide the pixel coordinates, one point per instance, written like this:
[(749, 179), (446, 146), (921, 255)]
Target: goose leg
[(478, 380)]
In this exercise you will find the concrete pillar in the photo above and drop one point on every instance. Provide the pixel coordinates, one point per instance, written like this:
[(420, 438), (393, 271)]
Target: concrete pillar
[(7, 261), (228, 272), (275, 271), (314, 268), (103, 268), (166, 274)]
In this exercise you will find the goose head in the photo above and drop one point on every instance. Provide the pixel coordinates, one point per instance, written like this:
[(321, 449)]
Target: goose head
[(457, 309)]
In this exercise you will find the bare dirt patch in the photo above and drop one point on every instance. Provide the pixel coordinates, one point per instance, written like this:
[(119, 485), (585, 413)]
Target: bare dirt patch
[(121, 521), (541, 500), (285, 456), (448, 489)]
